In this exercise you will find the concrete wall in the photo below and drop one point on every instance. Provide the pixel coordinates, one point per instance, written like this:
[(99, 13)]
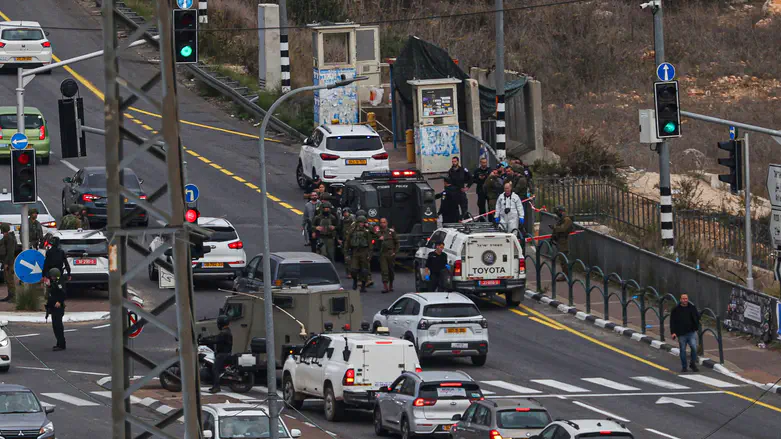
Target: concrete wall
[(269, 56)]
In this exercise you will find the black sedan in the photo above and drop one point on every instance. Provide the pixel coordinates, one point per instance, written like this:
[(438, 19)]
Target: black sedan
[(88, 188)]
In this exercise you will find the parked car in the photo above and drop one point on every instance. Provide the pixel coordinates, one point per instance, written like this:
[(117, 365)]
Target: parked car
[(35, 128), (510, 418), (24, 44), (22, 415), (10, 213), (585, 428), (87, 254), (88, 188), (5, 348), (232, 421), (290, 268)]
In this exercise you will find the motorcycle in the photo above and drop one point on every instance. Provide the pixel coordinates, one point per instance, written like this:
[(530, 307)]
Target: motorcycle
[(239, 378)]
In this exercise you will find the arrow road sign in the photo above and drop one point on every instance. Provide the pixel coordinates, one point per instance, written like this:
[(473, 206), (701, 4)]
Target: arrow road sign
[(190, 193), (165, 279), (665, 72), (731, 133), (28, 266), (774, 185), (185, 4), (676, 401), (19, 141), (775, 227)]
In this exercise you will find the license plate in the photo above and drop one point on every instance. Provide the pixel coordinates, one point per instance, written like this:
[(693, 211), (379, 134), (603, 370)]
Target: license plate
[(459, 345), (212, 264), (125, 200), (24, 58), (4, 145), (356, 161), (446, 427), (85, 262), (456, 330), (488, 283)]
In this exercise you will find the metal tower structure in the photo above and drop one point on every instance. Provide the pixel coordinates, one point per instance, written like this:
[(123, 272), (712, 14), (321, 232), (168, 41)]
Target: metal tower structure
[(122, 237)]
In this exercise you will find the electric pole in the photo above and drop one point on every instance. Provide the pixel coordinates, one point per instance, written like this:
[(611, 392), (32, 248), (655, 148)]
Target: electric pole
[(284, 49), (501, 146)]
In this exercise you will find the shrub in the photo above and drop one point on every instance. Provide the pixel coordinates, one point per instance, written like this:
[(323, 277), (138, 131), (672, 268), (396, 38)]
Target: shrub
[(29, 299)]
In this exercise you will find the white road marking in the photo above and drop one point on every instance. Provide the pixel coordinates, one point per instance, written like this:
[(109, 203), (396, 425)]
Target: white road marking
[(70, 330), (561, 386), (709, 381), (600, 411), (34, 368), (309, 424), (102, 326), (614, 395), (165, 409), (676, 401), (69, 165), (239, 396), (660, 433), (24, 335), (509, 386), (78, 402), (610, 384), (487, 392), (291, 417), (660, 383), (107, 394), (88, 373), (332, 434)]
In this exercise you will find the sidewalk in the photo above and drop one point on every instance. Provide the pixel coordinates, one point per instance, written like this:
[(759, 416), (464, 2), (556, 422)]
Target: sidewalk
[(83, 306)]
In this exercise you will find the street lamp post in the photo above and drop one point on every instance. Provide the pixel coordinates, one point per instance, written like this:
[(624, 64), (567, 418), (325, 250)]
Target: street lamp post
[(271, 361)]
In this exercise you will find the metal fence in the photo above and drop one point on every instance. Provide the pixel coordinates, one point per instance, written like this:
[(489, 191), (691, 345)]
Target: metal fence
[(473, 149)]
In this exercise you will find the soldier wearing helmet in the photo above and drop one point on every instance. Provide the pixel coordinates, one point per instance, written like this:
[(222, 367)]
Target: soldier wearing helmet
[(36, 229), (7, 256), (71, 221), (325, 224), (222, 344), (346, 249), (360, 243), (83, 217), (55, 257), (55, 305), (561, 231)]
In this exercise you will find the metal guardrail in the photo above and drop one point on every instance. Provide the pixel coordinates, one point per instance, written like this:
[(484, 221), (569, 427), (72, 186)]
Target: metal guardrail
[(242, 96)]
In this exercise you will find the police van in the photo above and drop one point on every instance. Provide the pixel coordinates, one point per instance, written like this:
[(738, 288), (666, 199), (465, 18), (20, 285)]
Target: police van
[(484, 260), (403, 197)]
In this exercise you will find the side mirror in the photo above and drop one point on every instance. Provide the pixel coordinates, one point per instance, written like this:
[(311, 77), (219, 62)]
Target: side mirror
[(295, 433), (67, 180), (308, 141), (456, 417), (140, 181), (208, 434), (169, 252), (48, 409), (384, 389), (47, 33), (3, 323), (384, 312), (422, 243)]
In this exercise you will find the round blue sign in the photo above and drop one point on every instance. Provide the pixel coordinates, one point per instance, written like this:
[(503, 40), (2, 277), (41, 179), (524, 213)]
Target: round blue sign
[(185, 4), (190, 193), (665, 72), (19, 141), (28, 266)]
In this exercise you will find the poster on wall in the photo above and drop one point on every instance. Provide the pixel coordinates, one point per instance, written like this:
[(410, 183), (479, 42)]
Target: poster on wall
[(340, 103), (749, 312), (435, 145), (438, 102), (778, 319)]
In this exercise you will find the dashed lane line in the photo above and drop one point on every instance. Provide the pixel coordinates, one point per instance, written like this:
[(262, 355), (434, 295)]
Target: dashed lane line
[(660, 433), (79, 372), (600, 411)]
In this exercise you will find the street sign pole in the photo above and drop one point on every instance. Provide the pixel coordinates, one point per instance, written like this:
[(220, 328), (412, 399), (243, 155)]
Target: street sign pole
[(749, 240), (25, 230)]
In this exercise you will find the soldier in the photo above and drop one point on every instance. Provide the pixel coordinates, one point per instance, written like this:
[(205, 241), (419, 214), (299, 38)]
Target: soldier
[(493, 187), (325, 224), (71, 221), (360, 242), (561, 231), (36, 230), (345, 224), (309, 216), (7, 256), (346, 248), (83, 217), (479, 175), (389, 246)]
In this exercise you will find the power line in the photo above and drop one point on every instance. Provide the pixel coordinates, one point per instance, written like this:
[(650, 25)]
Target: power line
[(365, 23), (753, 403)]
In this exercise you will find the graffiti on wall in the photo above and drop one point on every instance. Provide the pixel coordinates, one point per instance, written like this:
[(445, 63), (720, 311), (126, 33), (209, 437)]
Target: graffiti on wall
[(749, 312), (439, 140), (340, 103)]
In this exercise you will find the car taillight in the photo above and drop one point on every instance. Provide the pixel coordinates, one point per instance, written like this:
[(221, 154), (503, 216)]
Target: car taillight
[(1, 128), (42, 133), (424, 324), (450, 385), (237, 244), (484, 323), (423, 402), (523, 409), (476, 399), (89, 197), (325, 156), (605, 433), (457, 270), (50, 224), (142, 197), (46, 44), (380, 156), (349, 377), (522, 265), (2, 45), (494, 435), (418, 369)]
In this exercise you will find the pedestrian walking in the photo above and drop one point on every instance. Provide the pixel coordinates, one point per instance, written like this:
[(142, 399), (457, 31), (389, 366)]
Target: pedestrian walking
[(436, 263), (685, 326), (55, 306), (561, 230), (460, 179), (493, 187), (360, 244), (509, 210), (449, 203), (325, 228), (479, 177), (306, 224), (83, 218), (71, 221), (36, 230), (389, 246), (56, 258), (7, 256)]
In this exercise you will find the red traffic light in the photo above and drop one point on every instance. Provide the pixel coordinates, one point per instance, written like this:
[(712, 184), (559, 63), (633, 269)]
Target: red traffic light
[(24, 159), (192, 215)]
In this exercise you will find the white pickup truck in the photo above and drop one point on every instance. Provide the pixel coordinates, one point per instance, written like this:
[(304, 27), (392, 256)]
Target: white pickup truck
[(345, 369)]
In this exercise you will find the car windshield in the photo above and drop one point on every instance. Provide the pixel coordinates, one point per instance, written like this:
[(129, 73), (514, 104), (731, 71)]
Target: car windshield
[(22, 35), (222, 234), (31, 121), (18, 402), (309, 273), (446, 310), (89, 246), (354, 143), (522, 419), (249, 426), (9, 208), (98, 180)]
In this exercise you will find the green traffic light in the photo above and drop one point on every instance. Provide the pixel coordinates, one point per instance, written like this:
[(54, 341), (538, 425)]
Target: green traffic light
[(669, 127), (186, 51)]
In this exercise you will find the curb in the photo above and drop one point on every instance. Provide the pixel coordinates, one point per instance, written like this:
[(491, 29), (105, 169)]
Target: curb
[(150, 403), (69, 317), (640, 337)]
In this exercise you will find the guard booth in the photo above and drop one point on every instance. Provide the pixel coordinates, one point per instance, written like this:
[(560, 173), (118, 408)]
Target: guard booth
[(435, 119), (334, 59)]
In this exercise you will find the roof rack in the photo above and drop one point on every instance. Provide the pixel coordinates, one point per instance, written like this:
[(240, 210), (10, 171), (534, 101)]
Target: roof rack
[(323, 126), (474, 227), (570, 423)]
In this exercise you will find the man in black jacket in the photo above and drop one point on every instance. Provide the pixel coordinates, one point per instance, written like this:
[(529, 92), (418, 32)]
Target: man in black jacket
[(479, 176), (435, 264), (685, 325), (55, 306), (56, 257), (449, 203), (223, 348), (460, 179)]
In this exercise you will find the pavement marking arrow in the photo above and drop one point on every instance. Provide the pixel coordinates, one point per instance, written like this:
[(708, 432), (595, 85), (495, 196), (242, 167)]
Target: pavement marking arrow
[(676, 401), (34, 269)]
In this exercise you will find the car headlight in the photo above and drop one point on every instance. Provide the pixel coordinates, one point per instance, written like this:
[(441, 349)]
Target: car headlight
[(48, 428), (4, 342)]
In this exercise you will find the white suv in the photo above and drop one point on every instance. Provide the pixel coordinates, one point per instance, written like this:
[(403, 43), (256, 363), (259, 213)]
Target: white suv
[(24, 44), (225, 259), (87, 254), (337, 153), (11, 213), (585, 428), (439, 324)]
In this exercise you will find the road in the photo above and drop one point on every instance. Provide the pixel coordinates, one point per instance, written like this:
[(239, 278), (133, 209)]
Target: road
[(575, 370)]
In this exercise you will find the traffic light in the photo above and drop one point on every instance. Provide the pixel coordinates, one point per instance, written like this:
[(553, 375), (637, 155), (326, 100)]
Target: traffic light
[(734, 163), (23, 177), (197, 249), (192, 215), (186, 36), (668, 116)]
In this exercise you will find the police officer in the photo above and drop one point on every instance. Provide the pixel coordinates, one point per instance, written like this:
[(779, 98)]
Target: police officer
[(71, 221), (360, 243), (83, 217), (561, 231), (36, 230), (325, 225), (479, 176), (493, 187), (55, 305), (435, 264), (460, 178), (56, 258), (449, 204), (222, 346), (7, 256), (389, 246)]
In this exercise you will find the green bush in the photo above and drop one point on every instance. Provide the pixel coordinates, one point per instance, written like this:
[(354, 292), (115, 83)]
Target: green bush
[(312, 11), (29, 299)]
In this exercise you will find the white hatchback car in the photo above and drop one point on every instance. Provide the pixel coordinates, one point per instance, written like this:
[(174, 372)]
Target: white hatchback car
[(24, 44), (231, 421), (438, 324), (337, 153), (87, 254), (11, 213), (226, 256), (5, 348)]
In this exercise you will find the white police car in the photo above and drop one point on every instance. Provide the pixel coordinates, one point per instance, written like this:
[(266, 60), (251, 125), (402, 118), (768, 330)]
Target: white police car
[(87, 253)]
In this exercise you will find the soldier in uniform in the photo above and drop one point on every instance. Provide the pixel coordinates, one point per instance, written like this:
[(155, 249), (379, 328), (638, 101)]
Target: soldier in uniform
[(36, 230), (346, 221), (325, 224), (7, 256), (493, 187), (360, 243), (561, 231), (83, 217), (71, 221), (389, 246)]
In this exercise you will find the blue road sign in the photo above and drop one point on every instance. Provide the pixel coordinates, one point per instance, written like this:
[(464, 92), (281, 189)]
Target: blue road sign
[(190, 193), (731, 133), (19, 141), (185, 4), (665, 71), (28, 266)]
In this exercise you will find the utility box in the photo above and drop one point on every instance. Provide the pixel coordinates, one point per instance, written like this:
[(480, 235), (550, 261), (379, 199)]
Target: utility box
[(435, 113), (368, 60), (648, 127), (334, 59)]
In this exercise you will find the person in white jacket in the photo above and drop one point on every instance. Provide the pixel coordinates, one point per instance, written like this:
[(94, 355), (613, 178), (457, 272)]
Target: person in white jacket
[(509, 209)]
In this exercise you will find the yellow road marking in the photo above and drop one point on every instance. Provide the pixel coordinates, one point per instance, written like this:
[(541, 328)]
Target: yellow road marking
[(543, 322), (204, 159), (760, 403), (192, 153), (239, 179), (251, 186), (138, 122), (286, 205), (154, 132), (296, 211), (128, 115), (520, 313), (215, 166), (226, 172), (273, 198), (147, 127)]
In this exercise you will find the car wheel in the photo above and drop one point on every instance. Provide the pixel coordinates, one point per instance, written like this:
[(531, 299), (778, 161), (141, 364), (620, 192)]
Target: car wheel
[(378, 428), (64, 207), (152, 272), (508, 299), (334, 410), (405, 433), (479, 360), (5, 368), (45, 160), (289, 394), (300, 177), (376, 326)]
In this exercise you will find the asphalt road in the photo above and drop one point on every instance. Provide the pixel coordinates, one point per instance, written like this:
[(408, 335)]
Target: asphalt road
[(571, 371)]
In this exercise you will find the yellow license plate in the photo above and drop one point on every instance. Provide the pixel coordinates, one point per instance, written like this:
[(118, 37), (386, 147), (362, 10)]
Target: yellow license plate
[(25, 58), (456, 330), (446, 427), (212, 264), (356, 161)]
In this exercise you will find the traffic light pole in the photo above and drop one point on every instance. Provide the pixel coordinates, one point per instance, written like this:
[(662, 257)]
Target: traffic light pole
[(665, 191), (747, 221), (25, 229)]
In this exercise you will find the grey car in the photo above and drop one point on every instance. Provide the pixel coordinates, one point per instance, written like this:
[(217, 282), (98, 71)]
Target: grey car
[(506, 418), (290, 268), (424, 403), (21, 414)]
